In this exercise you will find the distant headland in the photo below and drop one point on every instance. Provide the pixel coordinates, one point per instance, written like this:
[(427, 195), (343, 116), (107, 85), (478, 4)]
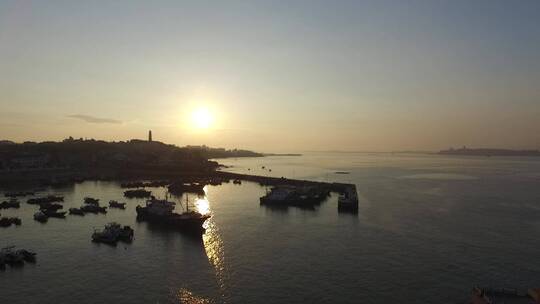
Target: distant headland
[(489, 152)]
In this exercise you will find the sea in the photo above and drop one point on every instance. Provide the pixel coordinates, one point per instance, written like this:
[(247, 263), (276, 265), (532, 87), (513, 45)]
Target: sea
[(429, 228)]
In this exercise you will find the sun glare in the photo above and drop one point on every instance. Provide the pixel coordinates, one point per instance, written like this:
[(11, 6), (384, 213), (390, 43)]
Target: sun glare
[(202, 118)]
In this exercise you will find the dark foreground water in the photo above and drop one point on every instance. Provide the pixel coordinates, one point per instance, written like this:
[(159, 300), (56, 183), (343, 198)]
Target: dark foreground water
[(428, 229)]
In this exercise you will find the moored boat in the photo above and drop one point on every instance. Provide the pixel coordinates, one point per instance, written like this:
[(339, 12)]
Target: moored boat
[(50, 206), (46, 199), (53, 213), (12, 203), (8, 221), (115, 204), (112, 233), (40, 216), (76, 211), (93, 209), (91, 201), (161, 212), (14, 258)]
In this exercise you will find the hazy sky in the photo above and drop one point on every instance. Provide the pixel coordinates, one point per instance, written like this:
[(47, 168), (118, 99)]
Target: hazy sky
[(275, 75)]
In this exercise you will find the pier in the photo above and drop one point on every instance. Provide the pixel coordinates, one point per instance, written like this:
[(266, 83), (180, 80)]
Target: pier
[(347, 202)]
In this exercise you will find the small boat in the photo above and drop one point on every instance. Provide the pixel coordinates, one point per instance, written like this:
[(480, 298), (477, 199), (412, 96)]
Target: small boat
[(41, 217), (12, 203), (76, 211), (15, 257), (53, 213), (115, 204), (237, 182), (138, 193), (50, 206), (10, 257), (112, 233), (91, 201), (16, 194), (28, 256), (8, 221), (180, 187), (93, 209), (46, 199)]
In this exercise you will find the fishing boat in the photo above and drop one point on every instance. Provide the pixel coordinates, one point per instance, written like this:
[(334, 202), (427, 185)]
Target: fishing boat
[(93, 209), (161, 212), (76, 211), (46, 199), (41, 217), (8, 221), (15, 257), (138, 193), (91, 201), (12, 203), (54, 213), (115, 204), (10, 257), (50, 206), (112, 233)]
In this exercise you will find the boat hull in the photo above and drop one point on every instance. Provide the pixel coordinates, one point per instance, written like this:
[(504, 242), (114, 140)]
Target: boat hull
[(191, 225)]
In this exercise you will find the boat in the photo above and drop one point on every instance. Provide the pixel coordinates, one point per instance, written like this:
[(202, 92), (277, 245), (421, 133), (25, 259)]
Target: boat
[(76, 211), (40, 216), (112, 233), (298, 196), (16, 194), (93, 209), (28, 256), (10, 257), (46, 199), (237, 182), (348, 200), (161, 212), (50, 206), (140, 184), (53, 213), (138, 193), (91, 205), (12, 203), (15, 257), (91, 201), (8, 221), (115, 204), (179, 188), (504, 295)]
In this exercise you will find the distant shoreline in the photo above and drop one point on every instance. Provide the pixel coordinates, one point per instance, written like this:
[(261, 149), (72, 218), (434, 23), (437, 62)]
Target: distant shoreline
[(490, 152), (282, 154)]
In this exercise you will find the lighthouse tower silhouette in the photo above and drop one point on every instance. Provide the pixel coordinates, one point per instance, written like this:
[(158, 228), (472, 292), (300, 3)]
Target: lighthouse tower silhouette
[(150, 135)]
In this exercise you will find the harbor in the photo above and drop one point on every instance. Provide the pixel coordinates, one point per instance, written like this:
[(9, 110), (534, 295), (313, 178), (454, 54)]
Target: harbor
[(236, 242)]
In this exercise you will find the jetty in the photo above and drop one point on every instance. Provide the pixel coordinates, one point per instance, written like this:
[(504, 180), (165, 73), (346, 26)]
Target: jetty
[(292, 189)]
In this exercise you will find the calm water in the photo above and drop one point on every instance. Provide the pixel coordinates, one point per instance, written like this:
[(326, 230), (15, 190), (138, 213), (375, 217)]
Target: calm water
[(428, 229)]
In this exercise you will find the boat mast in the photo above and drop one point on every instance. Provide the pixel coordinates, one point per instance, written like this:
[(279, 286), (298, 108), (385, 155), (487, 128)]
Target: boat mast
[(187, 203)]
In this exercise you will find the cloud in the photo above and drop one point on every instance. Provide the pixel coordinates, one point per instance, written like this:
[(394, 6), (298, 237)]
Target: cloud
[(93, 119)]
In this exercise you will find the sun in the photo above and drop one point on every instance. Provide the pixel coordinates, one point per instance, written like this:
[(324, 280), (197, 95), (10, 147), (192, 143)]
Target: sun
[(202, 118)]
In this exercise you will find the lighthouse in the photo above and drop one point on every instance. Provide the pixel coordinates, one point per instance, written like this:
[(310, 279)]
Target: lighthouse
[(150, 135)]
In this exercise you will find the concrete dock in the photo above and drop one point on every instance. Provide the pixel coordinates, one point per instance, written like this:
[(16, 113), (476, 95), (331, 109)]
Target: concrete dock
[(347, 202)]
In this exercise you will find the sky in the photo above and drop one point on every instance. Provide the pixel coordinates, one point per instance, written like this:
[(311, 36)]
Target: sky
[(274, 76)]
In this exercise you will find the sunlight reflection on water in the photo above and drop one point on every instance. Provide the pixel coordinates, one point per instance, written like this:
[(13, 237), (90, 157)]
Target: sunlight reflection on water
[(187, 297), (213, 245)]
